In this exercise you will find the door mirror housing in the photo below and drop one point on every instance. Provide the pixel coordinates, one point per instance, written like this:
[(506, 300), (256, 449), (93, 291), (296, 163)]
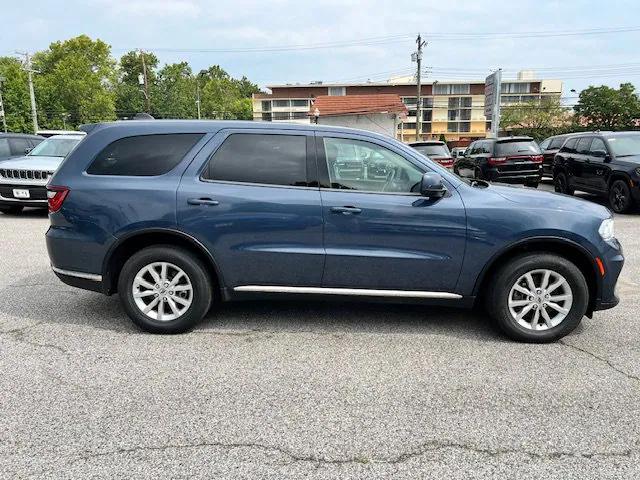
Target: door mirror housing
[(599, 153), (432, 186)]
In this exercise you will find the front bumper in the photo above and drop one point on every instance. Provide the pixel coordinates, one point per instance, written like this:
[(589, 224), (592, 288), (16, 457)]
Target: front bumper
[(37, 195), (613, 261)]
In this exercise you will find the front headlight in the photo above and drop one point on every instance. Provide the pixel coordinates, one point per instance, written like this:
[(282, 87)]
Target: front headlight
[(606, 230)]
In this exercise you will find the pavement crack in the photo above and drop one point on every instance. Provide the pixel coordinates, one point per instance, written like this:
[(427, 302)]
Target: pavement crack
[(422, 449), (608, 362), (20, 335)]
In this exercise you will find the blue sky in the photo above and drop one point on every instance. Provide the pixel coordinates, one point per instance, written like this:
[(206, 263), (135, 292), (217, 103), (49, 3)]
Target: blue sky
[(166, 25)]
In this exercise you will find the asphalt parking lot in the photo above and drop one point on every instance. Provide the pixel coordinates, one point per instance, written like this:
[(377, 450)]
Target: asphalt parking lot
[(313, 390)]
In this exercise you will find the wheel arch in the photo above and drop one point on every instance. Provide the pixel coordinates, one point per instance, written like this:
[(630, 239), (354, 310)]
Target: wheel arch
[(568, 249), (618, 175), (136, 241)]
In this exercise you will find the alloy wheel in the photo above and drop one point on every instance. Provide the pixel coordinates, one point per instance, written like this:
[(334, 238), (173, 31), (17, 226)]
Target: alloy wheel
[(162, 291), (540, 299), (618, 197)]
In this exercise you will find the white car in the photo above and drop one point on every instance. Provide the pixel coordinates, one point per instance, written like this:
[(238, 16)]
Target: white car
[(23, 180)]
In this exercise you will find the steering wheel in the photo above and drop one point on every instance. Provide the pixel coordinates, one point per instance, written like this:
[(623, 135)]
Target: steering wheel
[(391, 176)]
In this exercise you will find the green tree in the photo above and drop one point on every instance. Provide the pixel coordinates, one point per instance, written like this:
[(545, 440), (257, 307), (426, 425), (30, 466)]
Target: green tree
[(607, 108), (223, 96), (176, 92), (129, 93), (536, 119), (75, 82), (15, 95)]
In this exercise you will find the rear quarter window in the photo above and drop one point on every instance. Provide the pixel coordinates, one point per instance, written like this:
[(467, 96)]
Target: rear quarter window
[(518, 147), (143, 155)]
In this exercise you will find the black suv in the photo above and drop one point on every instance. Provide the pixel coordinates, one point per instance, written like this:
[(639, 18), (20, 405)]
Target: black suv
[(604, 163), (550, 147), (508, 159)]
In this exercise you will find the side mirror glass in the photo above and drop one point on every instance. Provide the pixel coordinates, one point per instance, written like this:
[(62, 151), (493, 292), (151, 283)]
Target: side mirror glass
[(432, 186)]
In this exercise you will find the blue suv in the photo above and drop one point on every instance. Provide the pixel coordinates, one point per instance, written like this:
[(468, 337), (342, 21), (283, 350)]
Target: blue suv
[(176, 216)]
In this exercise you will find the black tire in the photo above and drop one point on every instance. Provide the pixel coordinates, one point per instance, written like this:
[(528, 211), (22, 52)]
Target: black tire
[(561, 184), (497, 299), (11, 210), (619, 195), (201, 295)]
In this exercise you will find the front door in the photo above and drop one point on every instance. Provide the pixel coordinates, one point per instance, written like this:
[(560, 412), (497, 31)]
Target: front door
[(581, 163), (248, 197), (596, 170), (380, 233)]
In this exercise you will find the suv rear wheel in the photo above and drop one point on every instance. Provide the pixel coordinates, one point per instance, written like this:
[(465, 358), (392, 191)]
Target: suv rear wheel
[(538, 298), (164, 289), (620, 197)]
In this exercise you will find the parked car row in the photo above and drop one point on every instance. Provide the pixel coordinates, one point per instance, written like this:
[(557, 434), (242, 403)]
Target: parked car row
[(602, 163)]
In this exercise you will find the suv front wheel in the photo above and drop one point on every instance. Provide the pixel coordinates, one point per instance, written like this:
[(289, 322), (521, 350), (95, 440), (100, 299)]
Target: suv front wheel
[(620, 197), (538, 298), (164, 289)]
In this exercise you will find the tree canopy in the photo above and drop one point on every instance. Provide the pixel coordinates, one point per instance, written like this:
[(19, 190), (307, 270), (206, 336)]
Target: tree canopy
[(79, 81), (606, 108), (536, 119)]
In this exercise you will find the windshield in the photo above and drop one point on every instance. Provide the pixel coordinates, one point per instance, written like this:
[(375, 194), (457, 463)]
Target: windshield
[(625, 145), (517, 147), (433, 150), (55, 147)]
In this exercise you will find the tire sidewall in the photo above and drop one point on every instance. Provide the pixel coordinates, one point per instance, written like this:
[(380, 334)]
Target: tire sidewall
[(518, 267), (627, 193), (202, 288)]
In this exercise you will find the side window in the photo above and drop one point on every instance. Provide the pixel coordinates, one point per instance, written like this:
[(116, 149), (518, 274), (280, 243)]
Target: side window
[(260, 158), (556, 143), (583, 145), (5, 151), (367, 167), (19, 146), (470, 150), (570, 146), (598, 148), (144, 155), (545, 144), (485, 147)]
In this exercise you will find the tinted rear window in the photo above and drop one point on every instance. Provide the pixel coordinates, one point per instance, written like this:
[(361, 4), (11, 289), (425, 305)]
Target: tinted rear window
[(517, 147), (556, 143), (144, 155), (433, 150), (259, 158)]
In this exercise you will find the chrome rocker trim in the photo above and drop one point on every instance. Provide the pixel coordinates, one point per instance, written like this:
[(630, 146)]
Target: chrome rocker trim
[(346, 291), (87, 276)]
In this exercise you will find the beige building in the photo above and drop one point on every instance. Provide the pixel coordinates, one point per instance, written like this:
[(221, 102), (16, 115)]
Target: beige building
[(454, 109)]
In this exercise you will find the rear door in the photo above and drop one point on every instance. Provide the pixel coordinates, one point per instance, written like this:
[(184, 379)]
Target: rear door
[(581, 170), (250, 196), (596, 169), (380, 233)]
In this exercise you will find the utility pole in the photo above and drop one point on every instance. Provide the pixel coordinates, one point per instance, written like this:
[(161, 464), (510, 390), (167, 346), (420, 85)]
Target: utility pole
[(146, 85), (198, 96), (417, 57), (4, 119), (30, 72)]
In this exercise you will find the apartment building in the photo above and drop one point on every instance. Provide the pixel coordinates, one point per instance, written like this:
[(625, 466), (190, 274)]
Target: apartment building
[(454, 109)]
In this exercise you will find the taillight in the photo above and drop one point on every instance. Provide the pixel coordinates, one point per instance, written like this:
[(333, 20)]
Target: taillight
[(445, 162), (55, 197), (537, 159), (497, 160)]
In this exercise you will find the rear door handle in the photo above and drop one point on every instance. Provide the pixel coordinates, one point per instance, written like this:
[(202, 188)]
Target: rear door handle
[(346, 210), (203, 201)]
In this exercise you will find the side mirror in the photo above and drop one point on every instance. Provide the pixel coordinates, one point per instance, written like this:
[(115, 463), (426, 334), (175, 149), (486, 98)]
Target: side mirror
[(431, 186), (27, 150), (599, 153)]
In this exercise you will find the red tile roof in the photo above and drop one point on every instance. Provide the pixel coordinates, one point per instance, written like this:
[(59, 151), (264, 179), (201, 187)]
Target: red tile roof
[(357, 104)]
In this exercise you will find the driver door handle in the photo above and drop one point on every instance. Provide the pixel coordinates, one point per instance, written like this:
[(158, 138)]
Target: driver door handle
[(347, 210), (202, 201)]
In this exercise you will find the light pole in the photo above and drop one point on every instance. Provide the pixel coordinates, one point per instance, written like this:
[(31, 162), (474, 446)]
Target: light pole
[(4, 120)]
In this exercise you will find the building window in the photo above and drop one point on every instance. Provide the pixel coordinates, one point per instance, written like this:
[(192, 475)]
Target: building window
[(464, 114), (266, 105), (409, 100), (452, 89), (337, 91), (453, 115), (464, 127), (426, 128), (427, 102), (511, 87), (427, 115), (281, 115), (465, 102), (300, 103), (454, 102), (266, 117), (409, 125), (299, 115), (452, 127), (281, 103)]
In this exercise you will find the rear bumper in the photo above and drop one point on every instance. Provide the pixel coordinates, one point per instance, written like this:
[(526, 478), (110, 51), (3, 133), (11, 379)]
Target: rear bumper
[(514, 176), (80, 279)]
